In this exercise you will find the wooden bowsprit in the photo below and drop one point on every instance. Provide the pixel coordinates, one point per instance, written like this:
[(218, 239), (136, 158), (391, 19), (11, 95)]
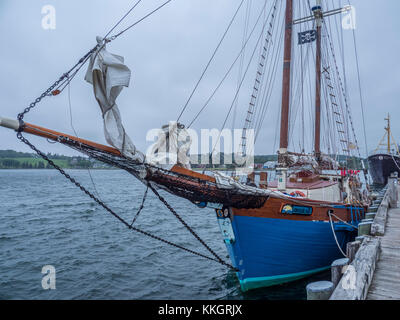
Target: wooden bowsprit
[(116, 157), (52, 135)]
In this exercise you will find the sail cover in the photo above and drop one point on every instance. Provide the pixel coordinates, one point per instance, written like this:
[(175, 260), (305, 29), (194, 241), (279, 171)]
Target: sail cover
[(109, 75)]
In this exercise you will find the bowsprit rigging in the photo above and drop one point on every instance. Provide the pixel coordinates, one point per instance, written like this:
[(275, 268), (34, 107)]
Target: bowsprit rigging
[(102, 153), (270, 229)]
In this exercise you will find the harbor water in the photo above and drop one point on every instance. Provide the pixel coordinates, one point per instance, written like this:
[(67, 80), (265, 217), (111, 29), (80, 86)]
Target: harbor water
[(47, 221)]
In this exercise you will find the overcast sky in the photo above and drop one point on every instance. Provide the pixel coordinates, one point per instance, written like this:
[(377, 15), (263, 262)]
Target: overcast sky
[(167, 54)]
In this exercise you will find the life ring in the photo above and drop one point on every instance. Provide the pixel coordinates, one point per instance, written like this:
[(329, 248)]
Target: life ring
[(220, 213), (298, 193)]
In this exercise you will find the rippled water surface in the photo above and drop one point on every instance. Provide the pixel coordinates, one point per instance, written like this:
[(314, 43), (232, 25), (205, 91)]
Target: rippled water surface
[(45, 220)]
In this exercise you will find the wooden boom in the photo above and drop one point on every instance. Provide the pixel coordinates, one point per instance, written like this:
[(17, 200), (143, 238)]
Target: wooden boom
[(51, 134)]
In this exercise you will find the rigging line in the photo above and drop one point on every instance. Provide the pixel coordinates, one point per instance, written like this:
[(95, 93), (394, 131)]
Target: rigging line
[(122, 19), (293, 110), (254, 103), (296, 89), (270, 74), (360, 90), (240, 86), (229, 70), (302, 99), (344, 93), (349, 120), (73, 128), (110, 211), (142, 205), (338, 84), (245, 32), (211, 59), (185, 224), (270, 83), (140, 20), (55, 84), (265, 102), (61, 87), (327, 60), (329, 105)]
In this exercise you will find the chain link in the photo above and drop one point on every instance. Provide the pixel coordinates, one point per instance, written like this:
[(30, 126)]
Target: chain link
[(102, 204), (187, 226), (93, 197), (55, 84)]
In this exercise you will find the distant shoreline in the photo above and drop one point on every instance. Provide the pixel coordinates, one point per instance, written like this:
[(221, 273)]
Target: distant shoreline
[(13, 160)]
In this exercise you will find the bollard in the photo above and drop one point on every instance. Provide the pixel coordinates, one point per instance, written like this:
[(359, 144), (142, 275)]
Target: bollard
[(374, 195), (370, 215), (364, 228), (360, 238), (373, 209), (351, 249), (376, 203), (321, 290), (337, 270), (393, 192)]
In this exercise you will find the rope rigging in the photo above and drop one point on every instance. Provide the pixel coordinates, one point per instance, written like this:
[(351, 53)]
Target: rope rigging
[(261, 96), (242, 81), (334, 94), (210, 61), (231, 68), (241, 63), (56, 88), (258, 82)]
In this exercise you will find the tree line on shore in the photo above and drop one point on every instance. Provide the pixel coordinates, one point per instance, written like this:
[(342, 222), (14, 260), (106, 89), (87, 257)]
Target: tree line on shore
[(10, 159)]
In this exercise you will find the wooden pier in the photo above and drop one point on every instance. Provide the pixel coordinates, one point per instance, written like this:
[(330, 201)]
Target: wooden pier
[(386, 281), (374, 271)]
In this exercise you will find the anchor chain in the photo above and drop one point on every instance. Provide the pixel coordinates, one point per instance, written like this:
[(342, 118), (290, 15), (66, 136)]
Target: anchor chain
[(187, 226), (55, 84), (46, 93), (102, 204)]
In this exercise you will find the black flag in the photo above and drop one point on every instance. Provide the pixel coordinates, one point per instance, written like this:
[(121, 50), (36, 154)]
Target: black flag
[(307, 36)]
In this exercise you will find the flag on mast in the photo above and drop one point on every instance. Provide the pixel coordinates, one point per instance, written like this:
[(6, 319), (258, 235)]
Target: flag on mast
[(307, 36)]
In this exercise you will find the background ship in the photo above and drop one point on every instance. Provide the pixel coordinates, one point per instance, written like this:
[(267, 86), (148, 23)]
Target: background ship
[(385, 158)]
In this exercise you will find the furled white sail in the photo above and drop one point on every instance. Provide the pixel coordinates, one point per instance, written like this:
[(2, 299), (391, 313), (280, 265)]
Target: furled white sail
[(172, 147), (108, 74)]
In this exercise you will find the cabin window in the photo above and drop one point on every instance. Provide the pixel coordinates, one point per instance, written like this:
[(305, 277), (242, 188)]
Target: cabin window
[(294, 209)]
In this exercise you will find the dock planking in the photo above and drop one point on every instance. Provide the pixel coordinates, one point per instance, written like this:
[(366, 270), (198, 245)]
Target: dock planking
[(386, 281)]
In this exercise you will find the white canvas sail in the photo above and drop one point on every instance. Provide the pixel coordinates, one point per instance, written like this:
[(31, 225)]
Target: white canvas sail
[(109, 75)]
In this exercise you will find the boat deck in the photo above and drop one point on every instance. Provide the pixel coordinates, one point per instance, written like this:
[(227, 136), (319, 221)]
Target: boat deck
[(304, 185)]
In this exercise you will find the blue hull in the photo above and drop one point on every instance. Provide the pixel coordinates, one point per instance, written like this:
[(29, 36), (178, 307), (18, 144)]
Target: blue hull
[(268, 251)]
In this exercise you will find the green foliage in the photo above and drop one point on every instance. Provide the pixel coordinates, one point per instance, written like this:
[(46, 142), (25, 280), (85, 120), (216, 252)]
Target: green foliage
[(10, 159)]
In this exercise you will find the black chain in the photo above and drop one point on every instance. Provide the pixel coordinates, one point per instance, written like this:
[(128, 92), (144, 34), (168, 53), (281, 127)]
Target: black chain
[(102, 204), (93, 197), (187, 226), (142, 205), (55, 84)]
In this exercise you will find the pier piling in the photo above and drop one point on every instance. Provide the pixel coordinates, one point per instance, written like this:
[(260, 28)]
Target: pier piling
[(320, 290), (337, 269), (374, 269)]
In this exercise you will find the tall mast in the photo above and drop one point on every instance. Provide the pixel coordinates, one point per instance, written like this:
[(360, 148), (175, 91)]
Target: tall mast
[(318, 19), (284, 141)]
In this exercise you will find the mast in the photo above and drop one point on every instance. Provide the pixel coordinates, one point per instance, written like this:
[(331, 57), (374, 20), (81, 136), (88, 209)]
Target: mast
[(286, 83), (318, 19)]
